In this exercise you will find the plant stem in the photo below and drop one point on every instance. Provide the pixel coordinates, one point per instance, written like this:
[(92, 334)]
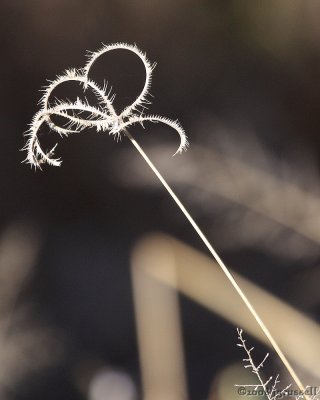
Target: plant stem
[(221, 264)]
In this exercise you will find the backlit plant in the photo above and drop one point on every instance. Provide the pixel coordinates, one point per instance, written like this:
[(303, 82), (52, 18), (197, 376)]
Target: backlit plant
[(103, 117)]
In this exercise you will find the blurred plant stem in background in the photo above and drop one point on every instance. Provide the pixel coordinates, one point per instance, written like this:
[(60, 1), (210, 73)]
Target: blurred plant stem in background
[(25, 347), (161, 260)]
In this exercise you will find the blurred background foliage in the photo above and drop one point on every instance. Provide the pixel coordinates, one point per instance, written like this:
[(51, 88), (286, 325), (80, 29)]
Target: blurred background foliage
[(242, 78)]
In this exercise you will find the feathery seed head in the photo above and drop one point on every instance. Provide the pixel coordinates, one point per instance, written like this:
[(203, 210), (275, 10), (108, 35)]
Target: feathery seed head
[(80, 115)]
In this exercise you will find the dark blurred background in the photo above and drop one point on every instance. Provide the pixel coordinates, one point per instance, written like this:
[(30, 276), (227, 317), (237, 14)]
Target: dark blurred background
[(242, 78)]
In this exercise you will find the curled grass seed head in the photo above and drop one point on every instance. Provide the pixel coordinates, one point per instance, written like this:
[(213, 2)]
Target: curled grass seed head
[(81, 115)]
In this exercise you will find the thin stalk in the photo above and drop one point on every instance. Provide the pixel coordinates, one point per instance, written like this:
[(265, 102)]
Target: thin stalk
[(221, 264)]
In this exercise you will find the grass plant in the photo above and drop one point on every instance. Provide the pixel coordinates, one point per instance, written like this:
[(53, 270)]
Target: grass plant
[(79, 115)]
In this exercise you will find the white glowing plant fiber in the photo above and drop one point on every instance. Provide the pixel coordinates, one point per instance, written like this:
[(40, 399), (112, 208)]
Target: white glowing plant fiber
[(80, 115)]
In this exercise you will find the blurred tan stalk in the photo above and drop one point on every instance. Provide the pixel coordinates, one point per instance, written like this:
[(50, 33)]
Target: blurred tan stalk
[(159, 332), (24, 346), (199, 278)]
